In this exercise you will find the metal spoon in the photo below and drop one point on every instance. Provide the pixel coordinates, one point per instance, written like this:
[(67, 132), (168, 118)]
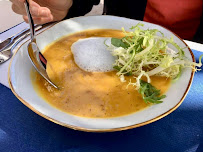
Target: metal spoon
[(33, 50)]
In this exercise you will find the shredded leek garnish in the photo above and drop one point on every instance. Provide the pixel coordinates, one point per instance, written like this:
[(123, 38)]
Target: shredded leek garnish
[(145, 53)]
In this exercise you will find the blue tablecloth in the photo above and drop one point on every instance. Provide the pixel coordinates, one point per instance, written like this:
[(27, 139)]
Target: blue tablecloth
[(21, 130)]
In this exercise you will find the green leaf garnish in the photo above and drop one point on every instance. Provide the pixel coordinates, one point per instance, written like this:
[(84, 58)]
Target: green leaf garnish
[(119, 43), (149, 93)]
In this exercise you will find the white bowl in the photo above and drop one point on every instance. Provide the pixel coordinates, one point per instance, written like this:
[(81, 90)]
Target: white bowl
[(21, 85)]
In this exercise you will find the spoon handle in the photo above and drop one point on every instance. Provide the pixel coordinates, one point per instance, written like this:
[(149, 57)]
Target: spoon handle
[(31, 22)]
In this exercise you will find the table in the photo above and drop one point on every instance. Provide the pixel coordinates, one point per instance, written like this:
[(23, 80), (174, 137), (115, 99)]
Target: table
[(182, 131)]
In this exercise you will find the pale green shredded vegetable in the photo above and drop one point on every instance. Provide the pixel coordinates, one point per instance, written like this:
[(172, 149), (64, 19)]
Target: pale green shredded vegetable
[(144, 53)]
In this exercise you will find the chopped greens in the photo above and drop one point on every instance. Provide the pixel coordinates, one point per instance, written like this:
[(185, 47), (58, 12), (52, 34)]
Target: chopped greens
[(147, 53), (149, 93)]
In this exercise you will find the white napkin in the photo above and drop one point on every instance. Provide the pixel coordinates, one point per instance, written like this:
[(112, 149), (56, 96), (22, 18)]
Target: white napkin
[(4, 67), (4, 73), (4, 36)]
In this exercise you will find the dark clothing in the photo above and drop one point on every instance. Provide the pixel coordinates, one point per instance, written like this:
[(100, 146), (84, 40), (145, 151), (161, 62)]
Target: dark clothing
[(111, 7), (138, 10), (81, 7), (133, 9)]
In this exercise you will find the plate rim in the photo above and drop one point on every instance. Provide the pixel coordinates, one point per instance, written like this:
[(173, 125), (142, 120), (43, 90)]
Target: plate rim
[(100, 130)]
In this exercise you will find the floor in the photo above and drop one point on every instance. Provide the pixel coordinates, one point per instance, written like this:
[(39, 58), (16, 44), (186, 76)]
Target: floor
[(9, 19)]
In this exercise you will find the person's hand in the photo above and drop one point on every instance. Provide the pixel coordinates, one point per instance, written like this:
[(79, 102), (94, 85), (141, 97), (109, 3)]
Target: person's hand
[(43, 11)]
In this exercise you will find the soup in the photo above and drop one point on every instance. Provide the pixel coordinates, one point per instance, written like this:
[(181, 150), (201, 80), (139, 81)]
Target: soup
[(88, 94)]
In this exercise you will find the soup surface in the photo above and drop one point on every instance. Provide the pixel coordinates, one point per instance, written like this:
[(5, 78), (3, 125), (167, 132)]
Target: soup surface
[(88, 94)]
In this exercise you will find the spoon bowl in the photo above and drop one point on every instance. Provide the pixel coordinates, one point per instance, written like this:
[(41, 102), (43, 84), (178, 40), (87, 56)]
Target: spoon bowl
[(34, 55)]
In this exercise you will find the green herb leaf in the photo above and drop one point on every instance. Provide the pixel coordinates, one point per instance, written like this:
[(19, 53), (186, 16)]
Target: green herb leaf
[(117, 68), (149, 93), (119, 43), (138, 46)]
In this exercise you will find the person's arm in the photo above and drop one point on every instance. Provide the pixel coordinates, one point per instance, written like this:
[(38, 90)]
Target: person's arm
[(81, 7)]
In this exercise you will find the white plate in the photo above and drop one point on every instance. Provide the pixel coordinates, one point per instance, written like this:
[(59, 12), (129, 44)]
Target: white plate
[(20, 81)]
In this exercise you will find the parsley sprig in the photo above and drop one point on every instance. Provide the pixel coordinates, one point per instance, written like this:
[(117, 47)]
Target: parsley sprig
[(149, 93)]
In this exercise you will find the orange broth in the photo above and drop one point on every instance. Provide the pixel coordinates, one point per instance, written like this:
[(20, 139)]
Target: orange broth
[(88, 94)]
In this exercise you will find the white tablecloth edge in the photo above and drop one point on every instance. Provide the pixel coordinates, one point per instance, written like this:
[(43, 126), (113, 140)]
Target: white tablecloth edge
[(194, 45)]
